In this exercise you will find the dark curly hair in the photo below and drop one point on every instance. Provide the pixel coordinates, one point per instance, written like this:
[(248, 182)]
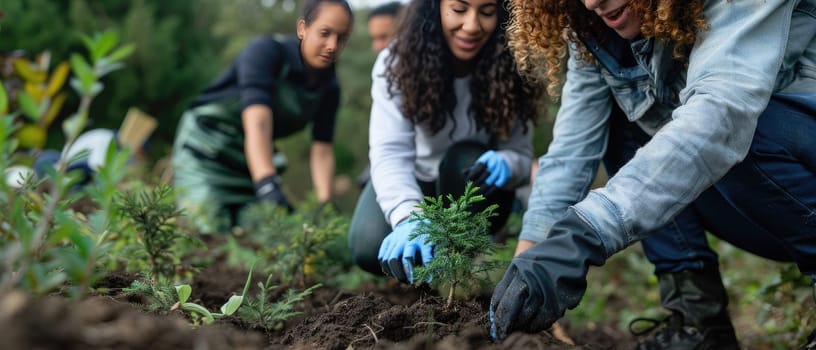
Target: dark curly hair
[(420, 70), (540, 31)]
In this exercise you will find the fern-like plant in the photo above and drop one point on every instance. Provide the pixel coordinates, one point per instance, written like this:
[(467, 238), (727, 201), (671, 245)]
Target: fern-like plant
[(458, 236), (160, 293), (271, 315), (298, 250)]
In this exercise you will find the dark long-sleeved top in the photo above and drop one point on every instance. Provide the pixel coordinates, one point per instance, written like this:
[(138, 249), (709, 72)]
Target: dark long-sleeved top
[(270, 72)]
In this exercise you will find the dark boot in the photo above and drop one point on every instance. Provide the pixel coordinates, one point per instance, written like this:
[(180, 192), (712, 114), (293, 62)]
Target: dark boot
[(699, 320)]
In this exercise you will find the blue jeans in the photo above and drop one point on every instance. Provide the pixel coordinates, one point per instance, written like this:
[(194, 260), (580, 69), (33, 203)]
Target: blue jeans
[(765, 205)]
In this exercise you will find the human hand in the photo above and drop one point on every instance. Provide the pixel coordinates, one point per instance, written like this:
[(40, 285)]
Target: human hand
[(268, 189), (399, 254), (490, 171), (546, 279)]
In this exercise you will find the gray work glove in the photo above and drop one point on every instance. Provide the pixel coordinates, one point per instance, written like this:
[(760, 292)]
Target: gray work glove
[(547, 279), (269, 189)]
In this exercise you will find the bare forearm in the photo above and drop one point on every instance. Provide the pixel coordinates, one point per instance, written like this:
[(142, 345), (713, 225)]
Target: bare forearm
[(257, 121), (522, 246), (322, 169)]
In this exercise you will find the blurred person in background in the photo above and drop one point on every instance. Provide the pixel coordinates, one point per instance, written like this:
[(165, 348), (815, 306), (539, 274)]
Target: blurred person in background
[(223, 152), (381, 22)]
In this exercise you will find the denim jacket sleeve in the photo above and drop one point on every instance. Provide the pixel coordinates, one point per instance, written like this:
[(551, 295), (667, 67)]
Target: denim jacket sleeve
[(731, 75), (579, 141)]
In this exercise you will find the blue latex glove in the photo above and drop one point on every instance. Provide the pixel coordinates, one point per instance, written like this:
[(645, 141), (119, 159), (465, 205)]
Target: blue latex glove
[(495, 168), (398, 254)]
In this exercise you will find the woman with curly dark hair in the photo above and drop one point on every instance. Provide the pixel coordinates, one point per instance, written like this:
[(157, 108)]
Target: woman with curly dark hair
[(703, 113), (446, 98)]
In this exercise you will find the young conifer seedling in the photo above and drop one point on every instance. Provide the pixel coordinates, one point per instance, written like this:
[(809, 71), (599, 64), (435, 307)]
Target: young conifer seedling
[(268, 315), (154, 215), (458, 236)]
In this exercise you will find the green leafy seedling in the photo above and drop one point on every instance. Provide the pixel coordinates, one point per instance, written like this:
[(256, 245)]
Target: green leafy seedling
[(45, 245), (229, 308)]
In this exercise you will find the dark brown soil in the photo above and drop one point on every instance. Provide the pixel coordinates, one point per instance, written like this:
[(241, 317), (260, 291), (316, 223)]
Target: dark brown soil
[(353, 321), (389, 316), (102, 323)]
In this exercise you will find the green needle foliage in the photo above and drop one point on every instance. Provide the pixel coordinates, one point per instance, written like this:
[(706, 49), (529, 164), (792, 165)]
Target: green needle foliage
[(160, 292), (154, 213), (458, 236), (270, 316), (298, 250)]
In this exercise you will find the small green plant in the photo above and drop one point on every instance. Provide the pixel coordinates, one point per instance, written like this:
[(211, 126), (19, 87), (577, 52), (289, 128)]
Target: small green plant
[(45, 244), (270, 316), (197, 311), (458, 236), (299, 251), (791, 287), (40, 98), (160, 292), (153, 213)]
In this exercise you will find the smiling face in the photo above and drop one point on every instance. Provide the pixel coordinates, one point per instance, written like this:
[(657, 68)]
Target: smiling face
[(617, 15), (325, 37), (467, 25)]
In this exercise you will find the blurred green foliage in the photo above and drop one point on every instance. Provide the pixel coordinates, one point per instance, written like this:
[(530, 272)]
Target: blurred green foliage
[(183, 45), (174, 55), (46, 245)]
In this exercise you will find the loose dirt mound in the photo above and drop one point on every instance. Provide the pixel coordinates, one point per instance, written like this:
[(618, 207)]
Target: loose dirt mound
[(101, 323)]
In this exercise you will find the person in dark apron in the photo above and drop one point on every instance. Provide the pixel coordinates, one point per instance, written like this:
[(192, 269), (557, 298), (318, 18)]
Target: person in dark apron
[(223, 151)]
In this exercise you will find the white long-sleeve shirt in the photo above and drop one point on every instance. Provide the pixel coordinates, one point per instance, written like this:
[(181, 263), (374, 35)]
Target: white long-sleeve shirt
[(401, 152)]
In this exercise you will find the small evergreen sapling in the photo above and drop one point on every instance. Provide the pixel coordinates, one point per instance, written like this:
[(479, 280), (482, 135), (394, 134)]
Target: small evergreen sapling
[(153, 212), (458, 236), (160, 293)]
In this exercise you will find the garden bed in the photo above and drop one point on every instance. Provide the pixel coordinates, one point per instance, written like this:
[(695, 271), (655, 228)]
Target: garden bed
[(397, 318)]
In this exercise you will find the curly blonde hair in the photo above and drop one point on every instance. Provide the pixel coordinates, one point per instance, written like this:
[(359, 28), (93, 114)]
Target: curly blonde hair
[(541, 30)]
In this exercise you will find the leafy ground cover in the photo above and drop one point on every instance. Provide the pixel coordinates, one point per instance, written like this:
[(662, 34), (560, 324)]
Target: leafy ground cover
[(374, 314), (385, 316)]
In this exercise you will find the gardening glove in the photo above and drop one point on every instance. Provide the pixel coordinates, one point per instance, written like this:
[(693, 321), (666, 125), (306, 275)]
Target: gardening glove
[(490, 171), (547, 279), (399, 254), (268, 189)]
